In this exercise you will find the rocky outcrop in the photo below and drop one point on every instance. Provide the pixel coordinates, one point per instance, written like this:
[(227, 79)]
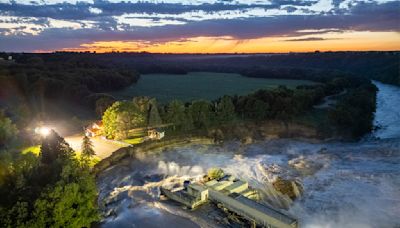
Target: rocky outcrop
[(292, 188), (305, 166)]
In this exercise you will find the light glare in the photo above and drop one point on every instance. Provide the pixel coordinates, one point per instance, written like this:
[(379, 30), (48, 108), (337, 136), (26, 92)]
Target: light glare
[(44, 131)]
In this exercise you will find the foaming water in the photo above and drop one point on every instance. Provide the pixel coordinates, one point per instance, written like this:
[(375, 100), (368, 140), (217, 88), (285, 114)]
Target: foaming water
[(345, 184), (387, 116)]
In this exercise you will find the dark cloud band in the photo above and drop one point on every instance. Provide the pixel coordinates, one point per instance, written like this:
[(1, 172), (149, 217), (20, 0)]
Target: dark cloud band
[(361, 17)]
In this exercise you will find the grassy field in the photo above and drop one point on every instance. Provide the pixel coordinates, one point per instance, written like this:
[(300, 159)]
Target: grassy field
[(135, 137), (200, 85)]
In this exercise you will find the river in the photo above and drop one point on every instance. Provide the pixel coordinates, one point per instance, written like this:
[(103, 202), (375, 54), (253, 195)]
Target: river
[(347, 184)]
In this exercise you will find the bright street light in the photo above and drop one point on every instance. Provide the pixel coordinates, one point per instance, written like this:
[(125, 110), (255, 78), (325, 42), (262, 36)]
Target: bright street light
[(43, 131)]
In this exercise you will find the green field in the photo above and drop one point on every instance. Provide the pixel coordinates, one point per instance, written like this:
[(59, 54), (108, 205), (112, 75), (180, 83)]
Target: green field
[(199, 85)]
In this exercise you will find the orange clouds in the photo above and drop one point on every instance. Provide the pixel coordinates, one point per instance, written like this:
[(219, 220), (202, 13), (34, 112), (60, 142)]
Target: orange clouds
[(345, 41)]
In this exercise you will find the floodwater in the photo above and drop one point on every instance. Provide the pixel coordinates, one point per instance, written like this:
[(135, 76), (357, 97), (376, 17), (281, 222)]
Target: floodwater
[(345, 185)]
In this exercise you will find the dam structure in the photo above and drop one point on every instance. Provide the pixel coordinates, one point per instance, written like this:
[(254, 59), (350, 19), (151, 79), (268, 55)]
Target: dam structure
[(232, 194)]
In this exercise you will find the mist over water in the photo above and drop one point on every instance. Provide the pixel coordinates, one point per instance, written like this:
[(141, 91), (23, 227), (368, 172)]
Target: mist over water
[(346, 184)]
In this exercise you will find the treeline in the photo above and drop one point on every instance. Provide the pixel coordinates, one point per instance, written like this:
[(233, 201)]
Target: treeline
[(382, 66), (316, 75), (34, 80), (51, 189), (354, 112), (123, 116), (278, 104)]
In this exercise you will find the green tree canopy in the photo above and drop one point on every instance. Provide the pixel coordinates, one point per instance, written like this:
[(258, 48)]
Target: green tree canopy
[(121, 117), (54, 190), (201, 113), (54, 147), (176, 114), (225, 110), (8, 130), (215, 173), (70, 203)]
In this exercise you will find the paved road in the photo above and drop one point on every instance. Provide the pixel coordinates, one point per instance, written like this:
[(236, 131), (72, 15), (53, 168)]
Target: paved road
[(103, 148)]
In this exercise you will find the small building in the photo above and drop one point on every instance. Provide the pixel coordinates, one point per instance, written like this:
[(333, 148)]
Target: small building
[(94, 129), (155, 134), (191, 196), (235, 196), (198, 190)]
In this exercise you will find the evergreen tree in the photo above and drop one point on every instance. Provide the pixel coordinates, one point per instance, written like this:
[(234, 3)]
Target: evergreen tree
[(154, 118), (87, 148), (176, 114), (54, 147), (201, 113), (225, 110)]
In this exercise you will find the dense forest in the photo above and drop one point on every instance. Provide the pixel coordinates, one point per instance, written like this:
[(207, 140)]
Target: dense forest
[(50, 185), (352, 115), (382, 66), (31, 82), (46, 187), (54, 187)]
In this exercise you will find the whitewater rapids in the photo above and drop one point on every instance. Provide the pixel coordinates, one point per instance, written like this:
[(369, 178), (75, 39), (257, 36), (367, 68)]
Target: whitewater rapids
[(345, 184)]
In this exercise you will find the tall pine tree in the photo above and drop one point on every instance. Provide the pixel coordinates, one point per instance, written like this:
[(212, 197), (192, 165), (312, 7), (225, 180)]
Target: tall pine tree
[(87, 148), (54, 147)]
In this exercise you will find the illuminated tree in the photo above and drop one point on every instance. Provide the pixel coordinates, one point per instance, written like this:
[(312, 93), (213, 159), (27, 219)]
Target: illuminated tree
[(215, 173), (121, 117), (87, 148), (54, 147), (70, 203)]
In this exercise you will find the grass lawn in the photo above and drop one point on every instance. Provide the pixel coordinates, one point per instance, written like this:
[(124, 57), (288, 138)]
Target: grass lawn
[(134, 141), (200, 85), (32, 149)]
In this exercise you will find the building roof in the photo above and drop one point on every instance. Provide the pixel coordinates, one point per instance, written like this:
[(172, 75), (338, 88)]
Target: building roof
[(236, 185), (99, 123), (197, 187), (266, 210)]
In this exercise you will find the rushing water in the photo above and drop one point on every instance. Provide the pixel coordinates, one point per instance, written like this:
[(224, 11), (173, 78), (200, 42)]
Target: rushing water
[(387, 116), (348, 184)]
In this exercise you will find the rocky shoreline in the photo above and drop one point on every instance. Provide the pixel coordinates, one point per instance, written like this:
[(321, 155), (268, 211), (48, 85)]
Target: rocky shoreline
[(131, 151), (245, 132)]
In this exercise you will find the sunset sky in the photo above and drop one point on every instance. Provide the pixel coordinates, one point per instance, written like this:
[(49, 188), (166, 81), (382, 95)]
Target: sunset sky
[(199, 26)]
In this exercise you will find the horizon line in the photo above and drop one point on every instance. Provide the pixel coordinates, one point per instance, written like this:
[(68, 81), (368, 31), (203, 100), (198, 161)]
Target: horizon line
[(192, 53)]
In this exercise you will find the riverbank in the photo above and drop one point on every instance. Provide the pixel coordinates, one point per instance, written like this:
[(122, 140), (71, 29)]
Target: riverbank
[(247, 132), (127, 152), (345, 184)]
